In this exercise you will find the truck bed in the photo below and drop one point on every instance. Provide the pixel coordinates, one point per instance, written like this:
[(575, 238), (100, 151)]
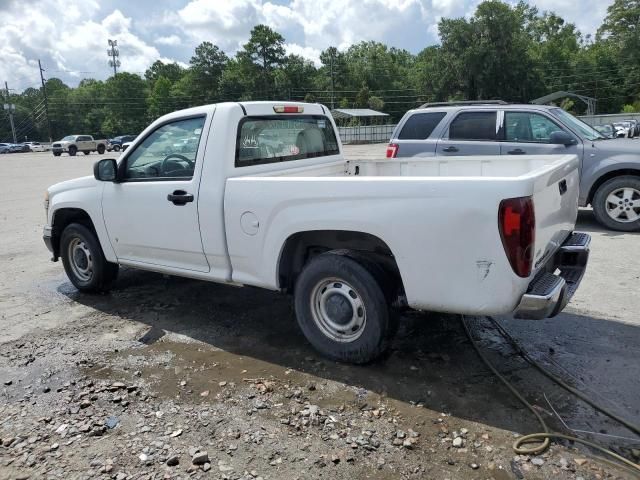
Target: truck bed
[(440, 215)]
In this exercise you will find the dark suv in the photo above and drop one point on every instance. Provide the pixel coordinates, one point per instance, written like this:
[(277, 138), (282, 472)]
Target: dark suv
[(115, 143), (610, 168)]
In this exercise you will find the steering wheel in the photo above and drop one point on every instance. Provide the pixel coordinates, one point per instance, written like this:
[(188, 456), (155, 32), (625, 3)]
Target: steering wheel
[(168, 159)]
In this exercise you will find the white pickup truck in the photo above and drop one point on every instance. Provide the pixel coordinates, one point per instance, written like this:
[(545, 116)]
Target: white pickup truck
[(264, 197)]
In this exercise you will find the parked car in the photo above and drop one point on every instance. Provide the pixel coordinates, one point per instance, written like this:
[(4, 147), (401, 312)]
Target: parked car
[(610, 168), (348, 238), (624, 129), (126, 145), (608, 130), (35, 146), (635, 126), (115, 144), (4, 148), (18, 148), (73, 144)]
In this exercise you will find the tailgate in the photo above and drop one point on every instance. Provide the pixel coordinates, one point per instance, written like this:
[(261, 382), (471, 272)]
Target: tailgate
[(555, 200)]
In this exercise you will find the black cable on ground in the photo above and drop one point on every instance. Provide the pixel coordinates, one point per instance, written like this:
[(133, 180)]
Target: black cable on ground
[(543, 438)]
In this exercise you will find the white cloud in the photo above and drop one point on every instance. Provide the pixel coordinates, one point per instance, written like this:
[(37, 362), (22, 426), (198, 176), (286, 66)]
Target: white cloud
[(70, 36), (172, 40), (70, 50)]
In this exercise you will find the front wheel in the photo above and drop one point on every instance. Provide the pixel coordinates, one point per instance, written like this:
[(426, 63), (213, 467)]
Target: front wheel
[(56, 154), (72, 151), (101, 149), (116, 148), (84, 260), (616, 203), (86, 152), (342, 310)]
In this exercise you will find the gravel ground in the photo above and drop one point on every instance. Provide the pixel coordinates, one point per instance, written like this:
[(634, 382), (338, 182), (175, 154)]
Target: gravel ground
[(172, 378)]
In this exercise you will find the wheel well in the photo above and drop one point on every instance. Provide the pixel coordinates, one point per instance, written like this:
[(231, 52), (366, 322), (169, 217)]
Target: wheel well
[(303, 246), (64, 217), (609, 176)]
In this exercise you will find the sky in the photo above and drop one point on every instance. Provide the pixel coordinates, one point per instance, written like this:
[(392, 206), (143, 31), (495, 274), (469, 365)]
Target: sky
[(70, 36)]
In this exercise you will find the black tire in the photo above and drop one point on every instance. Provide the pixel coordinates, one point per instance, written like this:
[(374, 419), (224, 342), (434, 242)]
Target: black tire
[(337, 269), (56, 154), (116, 148), (86, 152), (72, 151), (600, 203), (102, 274), (101, 149)]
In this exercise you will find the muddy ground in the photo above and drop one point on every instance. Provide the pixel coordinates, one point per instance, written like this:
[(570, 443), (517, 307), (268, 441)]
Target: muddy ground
[(172, 378)]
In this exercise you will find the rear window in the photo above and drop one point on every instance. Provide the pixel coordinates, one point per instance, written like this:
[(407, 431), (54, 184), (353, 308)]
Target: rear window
[(473, 126), (277, 138), (420, 125)]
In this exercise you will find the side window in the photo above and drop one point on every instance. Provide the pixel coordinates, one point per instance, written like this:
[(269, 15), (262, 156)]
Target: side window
[(420, 125), (528, 127), (473, 126), (168, 152)]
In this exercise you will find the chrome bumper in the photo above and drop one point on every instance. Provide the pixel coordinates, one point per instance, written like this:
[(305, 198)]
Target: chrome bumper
[(548, 292)]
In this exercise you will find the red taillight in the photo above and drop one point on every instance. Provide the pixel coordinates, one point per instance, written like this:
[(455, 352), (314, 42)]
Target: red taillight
[(392, 150), (517, 224)]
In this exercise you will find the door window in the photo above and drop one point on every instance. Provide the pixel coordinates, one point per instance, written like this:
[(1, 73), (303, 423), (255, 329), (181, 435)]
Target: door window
[(420, 125), (528, 127), (473, 126), (169, 152)]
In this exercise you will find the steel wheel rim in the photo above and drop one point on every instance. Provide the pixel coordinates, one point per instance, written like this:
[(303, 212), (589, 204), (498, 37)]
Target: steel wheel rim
[(338, 310), (623, 205), (80, 259)]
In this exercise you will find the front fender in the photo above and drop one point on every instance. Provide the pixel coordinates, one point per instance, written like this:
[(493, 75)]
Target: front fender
[(591, 175), (88, 198)]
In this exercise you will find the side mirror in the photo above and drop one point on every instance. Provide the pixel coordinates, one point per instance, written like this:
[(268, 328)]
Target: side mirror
[(106, 170), (562, 138)]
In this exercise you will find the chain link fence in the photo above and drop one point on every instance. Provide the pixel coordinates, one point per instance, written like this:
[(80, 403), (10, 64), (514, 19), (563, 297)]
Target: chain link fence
[(366, 134)]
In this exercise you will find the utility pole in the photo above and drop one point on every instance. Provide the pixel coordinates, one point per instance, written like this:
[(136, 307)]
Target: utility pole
[(332, 84), (113, 53), (11, 108), (46, 101)]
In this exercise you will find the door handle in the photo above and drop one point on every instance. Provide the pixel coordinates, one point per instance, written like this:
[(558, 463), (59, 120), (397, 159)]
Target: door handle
[(180, 197), (517, 151), (450, 149)]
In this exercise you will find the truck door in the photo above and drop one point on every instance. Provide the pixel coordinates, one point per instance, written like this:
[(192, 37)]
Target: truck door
[(528, 133), (472, 132), (152, 214)]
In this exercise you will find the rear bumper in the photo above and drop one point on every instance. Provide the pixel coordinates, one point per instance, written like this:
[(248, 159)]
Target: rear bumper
[(549, 292)]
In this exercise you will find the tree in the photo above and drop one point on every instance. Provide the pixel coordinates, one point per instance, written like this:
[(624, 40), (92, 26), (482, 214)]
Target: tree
[(207, 66), (160, 98), (376, 103), (362, 98), (171, 71), (265, 49), (126, 95)]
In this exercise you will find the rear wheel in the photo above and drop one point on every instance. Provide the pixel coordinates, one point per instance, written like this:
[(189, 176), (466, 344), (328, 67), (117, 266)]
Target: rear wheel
[(56, 154), (72, 151), (100, 149), (616, 203), (342, 309), (116, 148), (84, 260)]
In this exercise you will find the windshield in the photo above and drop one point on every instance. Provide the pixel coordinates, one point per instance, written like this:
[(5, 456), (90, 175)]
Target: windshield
[(69, 138), (584, 130)]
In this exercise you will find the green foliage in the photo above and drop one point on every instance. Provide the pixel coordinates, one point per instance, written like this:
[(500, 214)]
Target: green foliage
[(504, 50)]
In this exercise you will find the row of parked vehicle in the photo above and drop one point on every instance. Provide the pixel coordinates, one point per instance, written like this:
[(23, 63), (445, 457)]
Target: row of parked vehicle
[(624, 129), (22, 147)]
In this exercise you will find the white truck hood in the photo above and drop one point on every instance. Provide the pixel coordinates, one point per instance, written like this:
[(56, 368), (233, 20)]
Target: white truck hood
[(74, 184)]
